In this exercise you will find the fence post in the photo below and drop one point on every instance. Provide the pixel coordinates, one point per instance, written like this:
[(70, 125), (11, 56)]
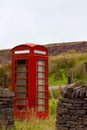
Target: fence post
[(6, 80), (85, 68), (70, 77)]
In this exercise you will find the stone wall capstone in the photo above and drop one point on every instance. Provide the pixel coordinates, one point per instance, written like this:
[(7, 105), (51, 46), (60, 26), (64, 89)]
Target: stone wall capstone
[(71, 113)]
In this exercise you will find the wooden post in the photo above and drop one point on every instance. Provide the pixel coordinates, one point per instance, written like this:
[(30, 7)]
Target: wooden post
[(85, 68), (70, 77), (6, 80)]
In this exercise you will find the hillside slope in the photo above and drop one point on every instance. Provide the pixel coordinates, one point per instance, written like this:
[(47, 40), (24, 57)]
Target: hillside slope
[(53, 49), (57, 48), (5, 57)]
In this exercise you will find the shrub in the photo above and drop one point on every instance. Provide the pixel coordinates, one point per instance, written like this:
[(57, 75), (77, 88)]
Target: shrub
[(52, 106), (5, 69), (55, 94)]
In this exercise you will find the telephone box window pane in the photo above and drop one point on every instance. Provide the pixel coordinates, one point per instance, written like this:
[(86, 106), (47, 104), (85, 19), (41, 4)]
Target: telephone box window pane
[(41, 95), (21, 107), (41, 108), (41, 75), (21, 95), (41, 88), (21, 102), (41, 69), (21, 75), (21, 88), (19, 62), (41, 62), (21, 68), (21, 81), (41, 82), (41, 102)]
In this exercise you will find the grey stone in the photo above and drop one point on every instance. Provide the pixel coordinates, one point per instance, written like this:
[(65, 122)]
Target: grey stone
[(72, 109), (6, 109)]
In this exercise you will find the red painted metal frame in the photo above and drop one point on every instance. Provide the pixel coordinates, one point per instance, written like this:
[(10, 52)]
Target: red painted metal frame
[(32, 79)]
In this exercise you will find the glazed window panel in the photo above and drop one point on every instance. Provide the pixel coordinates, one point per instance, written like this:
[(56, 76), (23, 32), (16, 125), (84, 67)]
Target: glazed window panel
[(41, 69), (41, 75), (21, 102), (41, 82), (21, 68), (21, 75), (41, 108), (41, 95), (41, 88), (22, 107), (21, 88), (41, 62), (21, 81), (41, 102), (22, 61), (21, 94)]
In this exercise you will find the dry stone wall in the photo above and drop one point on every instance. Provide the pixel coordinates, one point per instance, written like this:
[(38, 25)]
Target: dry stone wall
[(6, 109), (72, 108)]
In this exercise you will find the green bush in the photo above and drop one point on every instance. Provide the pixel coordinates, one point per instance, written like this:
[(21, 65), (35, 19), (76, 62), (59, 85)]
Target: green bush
[(52, 106), (55, 94), (6, 69)]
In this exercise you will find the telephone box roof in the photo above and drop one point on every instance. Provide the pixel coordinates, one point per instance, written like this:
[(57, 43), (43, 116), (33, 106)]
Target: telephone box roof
[(28, 44)]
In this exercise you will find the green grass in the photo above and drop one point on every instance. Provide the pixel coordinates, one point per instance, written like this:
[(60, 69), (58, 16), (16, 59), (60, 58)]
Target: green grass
[(43, 124), (36, 124), (60, 67), (54, 82), (55, 94), (40, 124)]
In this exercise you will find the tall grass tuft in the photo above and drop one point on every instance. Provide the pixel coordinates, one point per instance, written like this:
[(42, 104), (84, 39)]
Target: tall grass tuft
[(36, 124)]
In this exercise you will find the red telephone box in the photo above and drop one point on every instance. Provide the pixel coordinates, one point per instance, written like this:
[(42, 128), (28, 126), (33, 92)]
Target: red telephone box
[(30, 80)]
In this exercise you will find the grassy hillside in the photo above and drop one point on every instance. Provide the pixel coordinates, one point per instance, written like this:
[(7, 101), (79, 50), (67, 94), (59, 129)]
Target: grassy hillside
[(64, 58), (53, 50), (62, 65)]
